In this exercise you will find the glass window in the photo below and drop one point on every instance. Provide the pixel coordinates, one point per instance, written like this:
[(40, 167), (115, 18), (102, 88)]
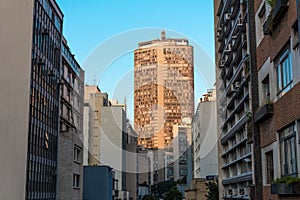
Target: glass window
[(76, 180), (284, 73), (288, 159), (270, 167), (266, 88), (76, 154)]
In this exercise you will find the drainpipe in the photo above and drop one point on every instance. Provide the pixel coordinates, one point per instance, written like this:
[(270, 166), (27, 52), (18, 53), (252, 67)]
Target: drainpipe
[(298, 14), (256, 159)]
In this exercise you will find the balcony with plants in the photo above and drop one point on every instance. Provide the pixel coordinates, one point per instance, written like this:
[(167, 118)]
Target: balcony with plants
[(286, 186), (278, 8)]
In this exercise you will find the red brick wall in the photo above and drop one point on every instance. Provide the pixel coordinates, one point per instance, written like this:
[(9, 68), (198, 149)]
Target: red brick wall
[(286, 110), (257, 4), (271, 45), (267, 194), (267, 132)]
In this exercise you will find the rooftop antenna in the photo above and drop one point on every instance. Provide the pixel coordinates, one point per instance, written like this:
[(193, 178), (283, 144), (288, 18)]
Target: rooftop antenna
[(163, 35), (95, 79)]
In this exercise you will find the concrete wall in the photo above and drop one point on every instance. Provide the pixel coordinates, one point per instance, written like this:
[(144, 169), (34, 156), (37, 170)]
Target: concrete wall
[(205, 146), (112, 141), (16, 21), (67, 167)]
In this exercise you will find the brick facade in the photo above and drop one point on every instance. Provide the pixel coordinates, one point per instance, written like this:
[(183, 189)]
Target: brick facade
[(271, 45)]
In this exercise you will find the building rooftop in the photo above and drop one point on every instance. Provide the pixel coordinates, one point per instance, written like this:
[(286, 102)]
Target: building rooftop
[(163, 41)]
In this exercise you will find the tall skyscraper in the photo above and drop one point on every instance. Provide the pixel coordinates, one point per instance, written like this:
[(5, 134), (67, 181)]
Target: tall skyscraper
[(31, 38), (163, 90)]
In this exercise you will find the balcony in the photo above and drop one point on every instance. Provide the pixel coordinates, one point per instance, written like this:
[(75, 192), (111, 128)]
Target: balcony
[(274, 17), (264, 113), (234, 129), (285, 189), (238, 179)]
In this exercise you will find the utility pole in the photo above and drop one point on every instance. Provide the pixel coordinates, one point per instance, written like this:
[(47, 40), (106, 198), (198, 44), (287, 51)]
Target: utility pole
[(256, 159)]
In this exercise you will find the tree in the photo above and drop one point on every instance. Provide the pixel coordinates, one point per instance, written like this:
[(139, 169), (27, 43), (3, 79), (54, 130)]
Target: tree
[(213, 190), (163, 187), (173, 194), (148, 197)]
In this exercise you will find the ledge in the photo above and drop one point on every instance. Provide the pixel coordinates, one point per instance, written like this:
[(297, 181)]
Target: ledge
[(237, 179), (285, 189), (263, 113)]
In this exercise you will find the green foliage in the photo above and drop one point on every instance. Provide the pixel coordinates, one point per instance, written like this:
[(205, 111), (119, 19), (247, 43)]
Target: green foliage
[(287, 179), (270, 21), (164, 187), (173, 194), (213, 190), (148, 197), (272, 3)]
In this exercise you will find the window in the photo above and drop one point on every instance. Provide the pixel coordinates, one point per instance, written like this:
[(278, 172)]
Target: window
[(260, 20), (266, 88), (77, 154), (269, 167), (284, 73), (76, 180), (288, 162)]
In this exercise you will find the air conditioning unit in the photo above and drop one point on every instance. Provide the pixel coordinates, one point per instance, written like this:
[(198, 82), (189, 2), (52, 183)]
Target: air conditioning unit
[(240, 22), (232, 88), (235, 36), (220, 27), (237, 84), (222, 63), (227, 16), (229, 48)]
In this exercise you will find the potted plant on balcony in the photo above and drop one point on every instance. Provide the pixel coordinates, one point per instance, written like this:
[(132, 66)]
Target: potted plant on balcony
[(249, 127), (286, 186), (269, 24)]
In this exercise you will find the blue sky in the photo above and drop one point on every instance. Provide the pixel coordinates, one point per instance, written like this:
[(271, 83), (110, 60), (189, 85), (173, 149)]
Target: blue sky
[(92, 25)]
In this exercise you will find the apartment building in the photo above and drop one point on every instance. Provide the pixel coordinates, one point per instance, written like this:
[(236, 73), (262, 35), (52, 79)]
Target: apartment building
[(31, 38), (182, 155), (233, 98), (278, 61), (94, 101), (70, 138), (107, 141), (204, 136)]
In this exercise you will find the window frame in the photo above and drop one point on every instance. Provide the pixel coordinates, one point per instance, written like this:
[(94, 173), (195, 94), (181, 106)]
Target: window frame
[(76, 154), (76, 181), (266, 88), (269, 167), (286, 140), (284, 74)]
